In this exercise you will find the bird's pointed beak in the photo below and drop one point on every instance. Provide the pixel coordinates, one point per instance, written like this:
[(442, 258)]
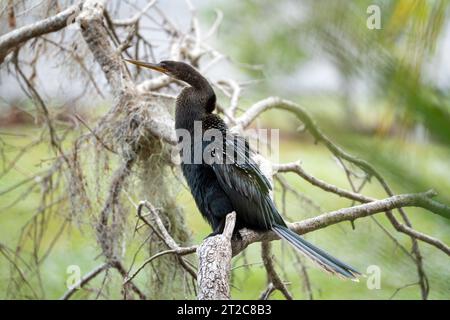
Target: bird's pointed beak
[(153, 66)]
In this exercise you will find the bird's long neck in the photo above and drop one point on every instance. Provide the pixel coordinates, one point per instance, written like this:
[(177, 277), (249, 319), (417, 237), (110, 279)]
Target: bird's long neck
[(195, 80), (194, 102), (201, 90)]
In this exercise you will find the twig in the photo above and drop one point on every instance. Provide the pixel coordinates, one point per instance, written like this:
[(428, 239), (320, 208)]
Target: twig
[(272, 275), (123, 272), (401, 288), (165, 236), (179, 251), (134, 19), (83, 281), (267, 292)]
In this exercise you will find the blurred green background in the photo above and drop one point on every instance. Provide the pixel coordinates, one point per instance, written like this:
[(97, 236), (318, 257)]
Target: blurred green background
[(381, 94)]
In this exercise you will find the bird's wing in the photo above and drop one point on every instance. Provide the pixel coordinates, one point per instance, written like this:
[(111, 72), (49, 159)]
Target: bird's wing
[(238, 173), (238, 162)]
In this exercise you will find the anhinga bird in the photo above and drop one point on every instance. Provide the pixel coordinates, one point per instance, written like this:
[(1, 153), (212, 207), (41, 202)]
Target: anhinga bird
[(221, 187)]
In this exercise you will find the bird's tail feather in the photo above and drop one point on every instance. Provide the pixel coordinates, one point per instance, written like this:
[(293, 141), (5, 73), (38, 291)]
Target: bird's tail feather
[(320, 257)]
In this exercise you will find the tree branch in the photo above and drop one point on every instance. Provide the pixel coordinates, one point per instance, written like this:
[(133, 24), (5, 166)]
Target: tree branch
[(83, 281), (11, 40), (347, 214), (215, 264), (425, 202), (272, 274), (166, 237), (275, 102)]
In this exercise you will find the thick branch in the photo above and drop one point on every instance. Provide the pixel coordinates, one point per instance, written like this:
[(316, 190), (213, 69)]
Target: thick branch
[(160, 122), (424, 202), (215, 264), (11, 40), (94, 33), (346, 214)]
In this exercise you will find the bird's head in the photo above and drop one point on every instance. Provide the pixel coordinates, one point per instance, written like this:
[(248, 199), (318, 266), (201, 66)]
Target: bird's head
[(175, 69), (186, 73)]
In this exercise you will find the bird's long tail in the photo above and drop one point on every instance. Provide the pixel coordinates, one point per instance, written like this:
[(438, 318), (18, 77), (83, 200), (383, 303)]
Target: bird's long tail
[(320, 257)]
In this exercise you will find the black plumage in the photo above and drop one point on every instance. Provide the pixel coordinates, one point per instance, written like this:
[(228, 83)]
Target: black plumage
[(220, 184)]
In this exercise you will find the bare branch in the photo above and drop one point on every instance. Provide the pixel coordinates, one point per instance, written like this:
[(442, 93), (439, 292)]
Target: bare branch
[(120, 268), (272, 275), (83, 281), (15, 38), (425, 202), (134, 19), (215, 264), (165, 236), (179, 251), (235, 94), (215, 26), (346, 214), (94, 33)]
